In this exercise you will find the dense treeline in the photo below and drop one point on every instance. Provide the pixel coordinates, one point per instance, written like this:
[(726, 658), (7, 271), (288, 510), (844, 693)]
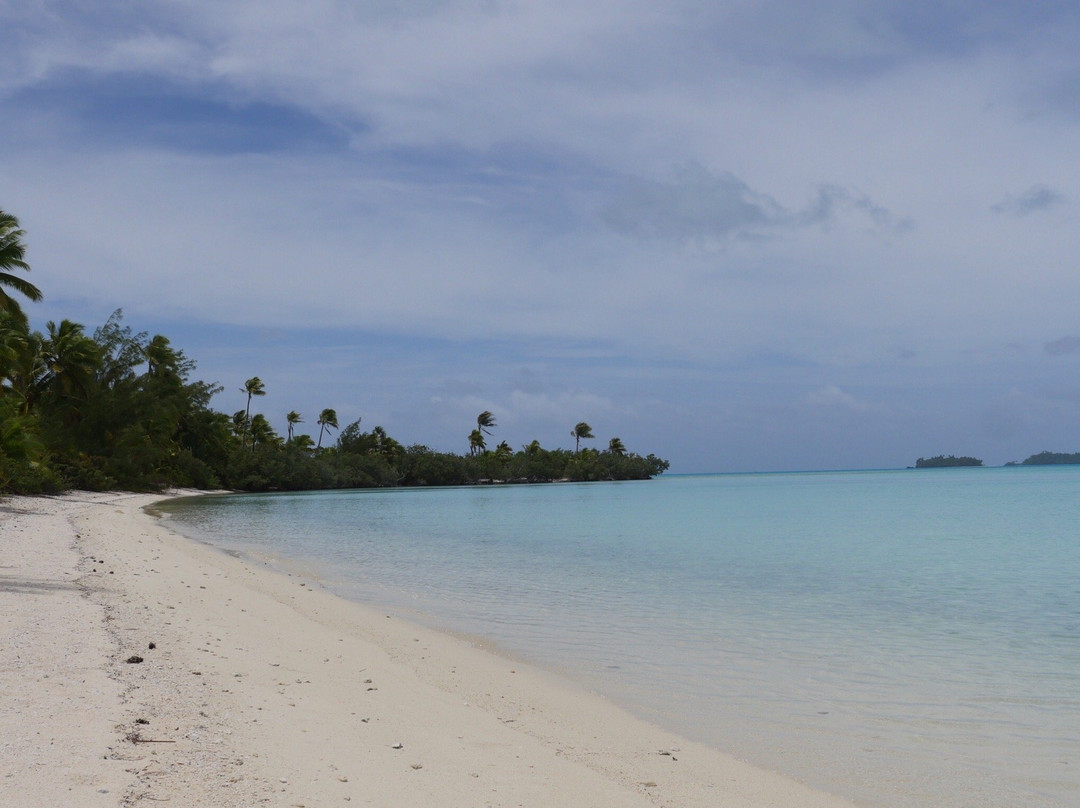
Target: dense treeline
[(1051, 459), (373, 459), (117, 409), (943, 462)]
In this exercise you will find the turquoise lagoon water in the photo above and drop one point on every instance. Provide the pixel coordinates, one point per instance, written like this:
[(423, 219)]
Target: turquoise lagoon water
[(904, 638)]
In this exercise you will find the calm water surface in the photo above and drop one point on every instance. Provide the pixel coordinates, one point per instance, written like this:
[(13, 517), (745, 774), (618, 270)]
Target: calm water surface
[(905, 638)]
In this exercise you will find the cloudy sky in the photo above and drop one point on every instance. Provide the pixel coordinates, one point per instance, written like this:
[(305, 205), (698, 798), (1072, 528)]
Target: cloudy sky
[(742, 235)]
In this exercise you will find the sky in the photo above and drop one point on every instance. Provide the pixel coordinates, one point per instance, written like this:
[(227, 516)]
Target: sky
[(744, 236)]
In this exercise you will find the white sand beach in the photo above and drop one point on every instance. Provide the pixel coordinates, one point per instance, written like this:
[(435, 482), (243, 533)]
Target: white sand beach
[(259, 688)]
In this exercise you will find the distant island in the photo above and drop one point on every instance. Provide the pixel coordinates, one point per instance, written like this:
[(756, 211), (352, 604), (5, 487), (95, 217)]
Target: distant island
[(943, 462), (1040, 459), (1050, 459)]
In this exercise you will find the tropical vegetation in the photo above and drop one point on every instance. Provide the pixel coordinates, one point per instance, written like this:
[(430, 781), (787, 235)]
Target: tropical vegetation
[(1050, 459), (943, 462), (120, 409), (579, 433)]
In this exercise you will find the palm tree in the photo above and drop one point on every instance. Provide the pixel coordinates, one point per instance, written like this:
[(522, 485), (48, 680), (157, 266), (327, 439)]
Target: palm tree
[(327, 420), (261, 431), (20, 366), (303, 442), (385, 445), (253, 387), (12, 256), (240, 423), (485, 422), (476, 442), (616, 447), (160, 356), (532, 449), (292, 418), (69, 360), (20, 359), (581, 432)]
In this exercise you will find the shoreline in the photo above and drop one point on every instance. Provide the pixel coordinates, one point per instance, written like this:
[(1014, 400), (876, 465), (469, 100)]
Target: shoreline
[(264, 689)]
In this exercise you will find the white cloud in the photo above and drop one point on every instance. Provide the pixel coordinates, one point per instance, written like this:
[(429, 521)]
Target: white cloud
[(832, 396), (701, 205)]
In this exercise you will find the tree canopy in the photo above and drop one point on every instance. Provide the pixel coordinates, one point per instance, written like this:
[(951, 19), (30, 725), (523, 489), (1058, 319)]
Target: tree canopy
[(13, 257), (943, 462), (581, 432)]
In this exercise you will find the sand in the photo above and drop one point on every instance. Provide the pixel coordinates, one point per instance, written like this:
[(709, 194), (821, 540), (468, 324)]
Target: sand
[(258, 688)]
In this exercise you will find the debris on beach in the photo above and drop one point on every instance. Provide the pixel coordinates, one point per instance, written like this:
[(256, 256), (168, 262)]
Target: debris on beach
[(135, 737)]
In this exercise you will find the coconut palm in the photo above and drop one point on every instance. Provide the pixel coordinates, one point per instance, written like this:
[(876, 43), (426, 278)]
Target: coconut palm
[(485, 422), (68, 361), (20, 359), (261, 431), (303, 442), (239, 423), (292, 418), (20, 367), (327, 420), (476, 442), (581, 432), (385, 445), (160, 356), (253, 387), (12, 256), (616, 447)]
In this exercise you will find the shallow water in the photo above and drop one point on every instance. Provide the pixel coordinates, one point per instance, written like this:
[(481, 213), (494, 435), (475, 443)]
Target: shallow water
[(905, 638)]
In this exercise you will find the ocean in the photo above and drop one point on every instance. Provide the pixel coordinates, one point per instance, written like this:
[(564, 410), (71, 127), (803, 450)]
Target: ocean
[(903, 638)]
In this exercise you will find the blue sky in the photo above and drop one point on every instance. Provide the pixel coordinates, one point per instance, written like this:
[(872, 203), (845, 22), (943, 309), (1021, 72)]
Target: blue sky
[(741, 235)]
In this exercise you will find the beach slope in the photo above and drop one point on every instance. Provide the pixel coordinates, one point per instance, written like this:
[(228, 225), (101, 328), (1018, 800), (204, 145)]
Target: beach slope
[(138, 667)]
